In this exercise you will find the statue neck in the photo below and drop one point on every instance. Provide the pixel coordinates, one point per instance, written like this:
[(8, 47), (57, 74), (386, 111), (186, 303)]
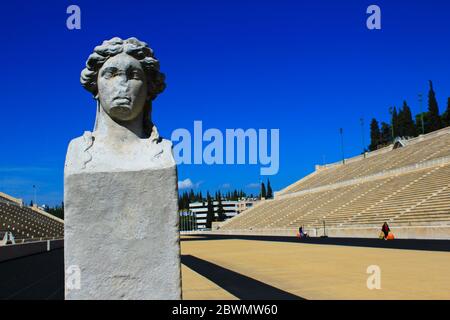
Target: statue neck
[(116, 130)]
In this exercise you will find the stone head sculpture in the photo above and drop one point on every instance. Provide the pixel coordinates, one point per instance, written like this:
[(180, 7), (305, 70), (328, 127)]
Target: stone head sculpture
[(120, 184), (124, 77)]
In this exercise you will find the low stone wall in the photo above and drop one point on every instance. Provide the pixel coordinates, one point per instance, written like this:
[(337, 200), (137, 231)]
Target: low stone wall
[(417, 232), (14, 251)]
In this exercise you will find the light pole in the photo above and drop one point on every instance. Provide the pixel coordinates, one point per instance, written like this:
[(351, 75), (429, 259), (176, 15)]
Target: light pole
[(195, 221), (391, 111), (421, 112), (362, 136), (341, 131), (34, 188), (181, 220), (260, 188)]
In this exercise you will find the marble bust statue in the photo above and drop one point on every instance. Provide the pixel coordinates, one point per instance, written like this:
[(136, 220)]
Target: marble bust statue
[(124, 78), (121, 226)]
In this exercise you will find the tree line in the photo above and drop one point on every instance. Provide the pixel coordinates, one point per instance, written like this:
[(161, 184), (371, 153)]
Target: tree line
[(266, 194), (403, 124), (57, 211), (186, 198), (188, 220)]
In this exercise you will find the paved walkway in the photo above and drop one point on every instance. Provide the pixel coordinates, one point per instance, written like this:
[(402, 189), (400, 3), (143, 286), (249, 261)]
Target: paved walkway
[(38, 276), (256, 268), (315, 271)]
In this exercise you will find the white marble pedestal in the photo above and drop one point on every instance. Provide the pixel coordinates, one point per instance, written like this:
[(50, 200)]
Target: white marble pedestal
[(121, 231)]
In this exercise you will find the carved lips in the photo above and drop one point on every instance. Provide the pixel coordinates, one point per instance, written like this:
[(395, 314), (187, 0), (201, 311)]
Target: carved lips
[(122, 100)]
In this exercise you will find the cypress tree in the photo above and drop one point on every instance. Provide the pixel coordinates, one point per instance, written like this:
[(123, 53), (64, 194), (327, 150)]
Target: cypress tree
[(374, 135), (221, 216), (269, 190), (263, 191), (445, 119), (395, 124), (186, 200), (434, 121), (210, 213), (191, 196), (400, 123), (419, 122), (386, 134), (409, 128)]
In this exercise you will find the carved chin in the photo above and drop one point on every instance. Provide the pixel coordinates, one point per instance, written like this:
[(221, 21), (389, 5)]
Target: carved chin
[(121, 112)]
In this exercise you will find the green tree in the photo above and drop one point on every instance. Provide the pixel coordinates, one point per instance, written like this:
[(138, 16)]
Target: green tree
[(374, 135), (210, 213), (434, 121), (394, 122), (221, 216), (419, 122), (386, 134), (407, 122), (57, 211), (263, 190), (269, 190), (400, 123), (445, 119)]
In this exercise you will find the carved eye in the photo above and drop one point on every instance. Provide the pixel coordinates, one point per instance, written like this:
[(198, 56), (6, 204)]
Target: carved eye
[(135, 74), (108, 74)]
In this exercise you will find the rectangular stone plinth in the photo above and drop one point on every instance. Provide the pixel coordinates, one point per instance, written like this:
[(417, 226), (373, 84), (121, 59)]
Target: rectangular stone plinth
[(121, 232)]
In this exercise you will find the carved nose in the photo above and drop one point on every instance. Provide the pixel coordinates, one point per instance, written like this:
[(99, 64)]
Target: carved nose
[(122, 83), (123, 80)]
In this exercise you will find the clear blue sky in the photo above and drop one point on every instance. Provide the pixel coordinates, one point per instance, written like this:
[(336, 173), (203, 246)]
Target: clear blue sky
[(305, 67)]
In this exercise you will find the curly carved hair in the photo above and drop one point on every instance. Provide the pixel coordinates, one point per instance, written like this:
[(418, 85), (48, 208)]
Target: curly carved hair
[(133, 47), (138, 50)]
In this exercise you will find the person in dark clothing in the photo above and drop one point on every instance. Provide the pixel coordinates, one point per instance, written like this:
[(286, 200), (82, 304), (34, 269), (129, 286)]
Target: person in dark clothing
[(385, 229), (301, 233)]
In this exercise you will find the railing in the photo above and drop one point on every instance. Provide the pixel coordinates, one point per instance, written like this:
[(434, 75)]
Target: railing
[(18, 250)]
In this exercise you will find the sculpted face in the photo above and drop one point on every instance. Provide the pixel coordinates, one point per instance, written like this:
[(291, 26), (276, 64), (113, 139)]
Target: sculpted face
[(122, 87)]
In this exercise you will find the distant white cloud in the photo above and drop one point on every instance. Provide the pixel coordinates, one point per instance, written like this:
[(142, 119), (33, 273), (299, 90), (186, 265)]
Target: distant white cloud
[(188, 184), (185, 184), (225, 186), (253, 185)]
